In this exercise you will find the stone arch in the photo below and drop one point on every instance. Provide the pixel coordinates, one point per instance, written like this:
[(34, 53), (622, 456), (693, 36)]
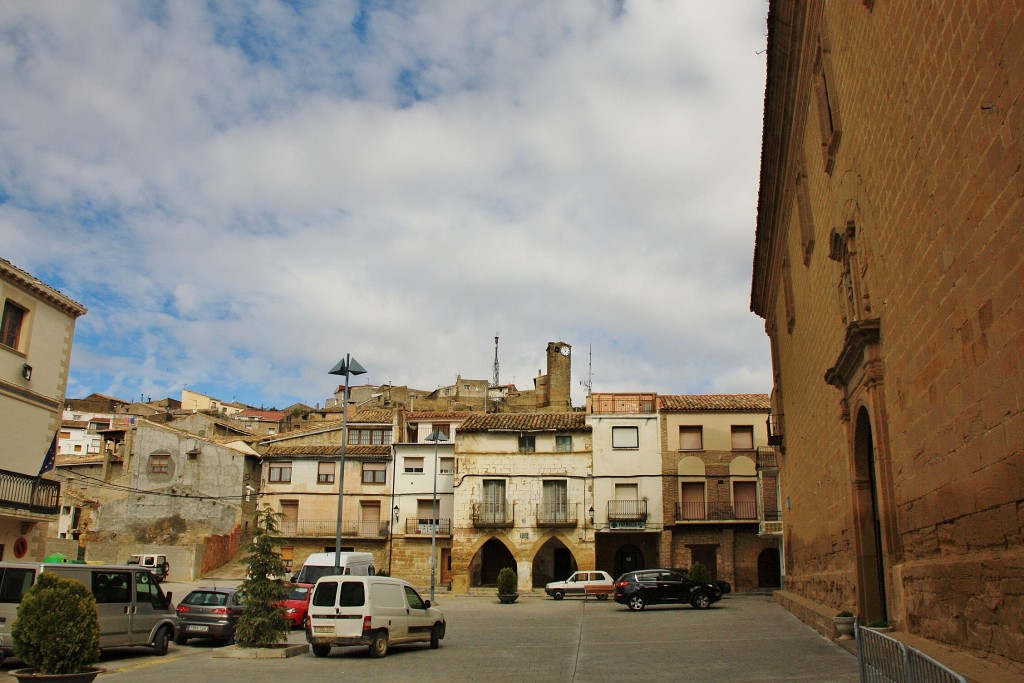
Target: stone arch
[(555, 558), (868, 522), (487, 556)]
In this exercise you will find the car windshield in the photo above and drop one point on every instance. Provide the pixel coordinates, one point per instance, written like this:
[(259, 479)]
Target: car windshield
[(298, 593)]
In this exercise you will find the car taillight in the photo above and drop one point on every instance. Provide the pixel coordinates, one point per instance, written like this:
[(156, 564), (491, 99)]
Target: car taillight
[(366, 623), (621, 584), (182, 609), (220, 610)]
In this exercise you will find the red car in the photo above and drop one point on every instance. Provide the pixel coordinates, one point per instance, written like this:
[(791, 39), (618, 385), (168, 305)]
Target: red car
[(297, 604)]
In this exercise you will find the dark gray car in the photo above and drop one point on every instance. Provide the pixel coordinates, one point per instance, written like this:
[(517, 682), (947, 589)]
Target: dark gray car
[(209, 613)]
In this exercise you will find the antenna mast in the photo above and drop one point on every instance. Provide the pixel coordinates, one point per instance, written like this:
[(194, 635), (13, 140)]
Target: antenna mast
[(494, 379), (588, 383)]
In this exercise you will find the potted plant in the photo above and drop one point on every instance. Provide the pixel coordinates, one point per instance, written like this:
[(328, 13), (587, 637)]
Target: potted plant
[(57, 631), (507, 589), (844, 623), (880, 625)]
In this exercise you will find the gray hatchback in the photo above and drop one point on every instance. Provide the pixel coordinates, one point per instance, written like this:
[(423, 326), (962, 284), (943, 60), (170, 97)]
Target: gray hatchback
[(209, 613)]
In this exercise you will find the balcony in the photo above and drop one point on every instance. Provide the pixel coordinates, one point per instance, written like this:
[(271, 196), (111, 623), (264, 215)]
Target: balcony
[(775, 429), (491, 514), (767, 458), (327, 528), (627, 514), (622, 404), (558, 516), (716, 512), (428, 527), (25, 492)]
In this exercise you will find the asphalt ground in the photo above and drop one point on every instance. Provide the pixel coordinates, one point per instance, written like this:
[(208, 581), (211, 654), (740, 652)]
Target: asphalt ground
[(741, 638)]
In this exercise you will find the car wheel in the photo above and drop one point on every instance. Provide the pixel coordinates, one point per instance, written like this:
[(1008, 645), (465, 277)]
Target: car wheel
[(636, 602), (701, 600), (435, 636), (163, 636), (602, 596), (558, 595), (379, 646), (321, 650), (180, 639)]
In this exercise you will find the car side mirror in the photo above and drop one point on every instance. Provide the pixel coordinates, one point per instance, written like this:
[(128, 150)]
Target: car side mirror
[(426, 604), (168, 597)]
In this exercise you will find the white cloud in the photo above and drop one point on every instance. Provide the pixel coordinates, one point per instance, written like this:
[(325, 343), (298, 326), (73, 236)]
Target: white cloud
[(242, 193)]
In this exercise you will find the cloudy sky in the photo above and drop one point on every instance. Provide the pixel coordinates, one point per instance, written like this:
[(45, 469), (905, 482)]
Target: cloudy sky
[(242, 193)]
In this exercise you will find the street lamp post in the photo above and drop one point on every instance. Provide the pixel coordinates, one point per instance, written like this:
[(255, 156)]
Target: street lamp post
[(435, 436), (346, 367)]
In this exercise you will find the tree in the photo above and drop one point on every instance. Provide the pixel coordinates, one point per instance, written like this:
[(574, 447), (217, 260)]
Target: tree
[(699, 572), (263, 623)]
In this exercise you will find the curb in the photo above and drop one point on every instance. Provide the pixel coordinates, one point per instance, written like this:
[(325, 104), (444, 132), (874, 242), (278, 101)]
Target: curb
[(236, 652)]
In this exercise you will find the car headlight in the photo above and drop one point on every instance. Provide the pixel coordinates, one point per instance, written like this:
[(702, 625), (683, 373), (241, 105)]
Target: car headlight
[(291, 610)]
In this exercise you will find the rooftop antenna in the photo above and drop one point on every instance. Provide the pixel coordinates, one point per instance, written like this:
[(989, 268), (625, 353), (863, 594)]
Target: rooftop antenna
[(588, 383), (494, 378)]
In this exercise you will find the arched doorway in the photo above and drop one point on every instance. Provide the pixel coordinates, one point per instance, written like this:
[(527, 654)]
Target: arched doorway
[(871, 563), (553, 562), (769, 570), (628, 558), (491, 558)]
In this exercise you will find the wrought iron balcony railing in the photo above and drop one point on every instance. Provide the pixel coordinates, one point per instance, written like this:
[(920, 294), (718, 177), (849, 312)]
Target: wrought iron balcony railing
[(744, 511), (25, 492), (326, 528), (428, 527), (627, 510), (563, 515), (767, 458), (494, 514)]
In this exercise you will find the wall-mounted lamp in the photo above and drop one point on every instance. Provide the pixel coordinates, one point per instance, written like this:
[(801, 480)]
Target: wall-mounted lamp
[(26, 371), (395, 510), (591, 514)]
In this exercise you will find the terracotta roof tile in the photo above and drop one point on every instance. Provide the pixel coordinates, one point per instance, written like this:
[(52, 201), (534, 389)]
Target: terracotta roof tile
[(525, 422), (419, 415), (722, 403), (356, 452)]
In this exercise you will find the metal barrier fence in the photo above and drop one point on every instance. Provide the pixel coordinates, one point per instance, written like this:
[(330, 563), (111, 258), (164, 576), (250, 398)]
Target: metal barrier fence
[(883, 659)]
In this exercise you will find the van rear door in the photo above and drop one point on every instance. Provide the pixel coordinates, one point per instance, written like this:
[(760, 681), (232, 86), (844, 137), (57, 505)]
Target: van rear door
[(337, 608)]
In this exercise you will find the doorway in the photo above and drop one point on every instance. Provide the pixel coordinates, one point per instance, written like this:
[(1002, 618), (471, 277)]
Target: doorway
[(769, 569), (867, 509), (628, 558)]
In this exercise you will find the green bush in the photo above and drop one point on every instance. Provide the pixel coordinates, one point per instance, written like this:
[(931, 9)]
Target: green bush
[(878, 623), (845, 614), (699, 572), (507, 581), (57, 629), (263, 623)]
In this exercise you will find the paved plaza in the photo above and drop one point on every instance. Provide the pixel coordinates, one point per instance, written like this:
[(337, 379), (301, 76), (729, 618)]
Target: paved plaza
[(741, 638)]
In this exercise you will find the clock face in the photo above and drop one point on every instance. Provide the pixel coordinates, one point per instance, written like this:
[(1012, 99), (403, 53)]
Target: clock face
[(564, 350)]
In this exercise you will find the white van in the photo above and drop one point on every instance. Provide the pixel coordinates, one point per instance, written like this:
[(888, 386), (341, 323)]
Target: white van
[(376, 611), (132, 608), (323, 564)]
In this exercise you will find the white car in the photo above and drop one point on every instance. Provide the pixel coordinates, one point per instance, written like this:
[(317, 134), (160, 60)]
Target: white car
[(582, 583)]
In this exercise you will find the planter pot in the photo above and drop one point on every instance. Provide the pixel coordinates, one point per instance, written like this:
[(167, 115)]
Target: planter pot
[(507, 598), (844, 627), (85, 676)]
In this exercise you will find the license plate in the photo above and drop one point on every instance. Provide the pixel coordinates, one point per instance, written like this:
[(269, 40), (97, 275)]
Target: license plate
[(323, 629), (192, 627)]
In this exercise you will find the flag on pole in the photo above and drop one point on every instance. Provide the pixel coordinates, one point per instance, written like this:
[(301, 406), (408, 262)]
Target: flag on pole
[(51, 456)]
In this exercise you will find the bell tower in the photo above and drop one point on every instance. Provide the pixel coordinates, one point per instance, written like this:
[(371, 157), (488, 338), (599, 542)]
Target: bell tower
[(559, 374)]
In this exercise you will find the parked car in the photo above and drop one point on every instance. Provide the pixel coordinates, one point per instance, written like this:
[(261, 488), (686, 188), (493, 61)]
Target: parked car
[(157, 564), (723, 586), (375, 611), (210, 613), (296, 606), (645, 587), (580, 583)]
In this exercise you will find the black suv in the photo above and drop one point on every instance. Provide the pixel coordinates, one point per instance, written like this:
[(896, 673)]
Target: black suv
[(645, 587)]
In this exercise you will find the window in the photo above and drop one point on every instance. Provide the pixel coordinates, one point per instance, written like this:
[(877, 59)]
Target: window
[(625, 437), (369, 437), (527, 443), (744, 497), (691, 503), (691, 438), (375, 473), (288, 556), (112, 587), (447, 466), (828, 103), (492, 506), (158, 463), (281, 472), (563, 443), (65, 435), (412, 465), (742, 438), (555, 507), (10, 327), (443, 429), (325, 473), (425, 514)]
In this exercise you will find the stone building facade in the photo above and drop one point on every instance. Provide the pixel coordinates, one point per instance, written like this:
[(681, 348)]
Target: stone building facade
[(889, 271)]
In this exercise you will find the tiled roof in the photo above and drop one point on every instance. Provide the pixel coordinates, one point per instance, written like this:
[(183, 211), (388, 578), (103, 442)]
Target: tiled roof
[(723, 403), (420, 415), (525, 422), (354, 451), (77, 424), (69, 459), (372, 415)]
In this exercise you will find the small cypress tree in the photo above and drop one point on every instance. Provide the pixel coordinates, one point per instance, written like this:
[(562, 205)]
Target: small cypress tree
[(57, 629), (507, 581), (699, 572), (263, 623)]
